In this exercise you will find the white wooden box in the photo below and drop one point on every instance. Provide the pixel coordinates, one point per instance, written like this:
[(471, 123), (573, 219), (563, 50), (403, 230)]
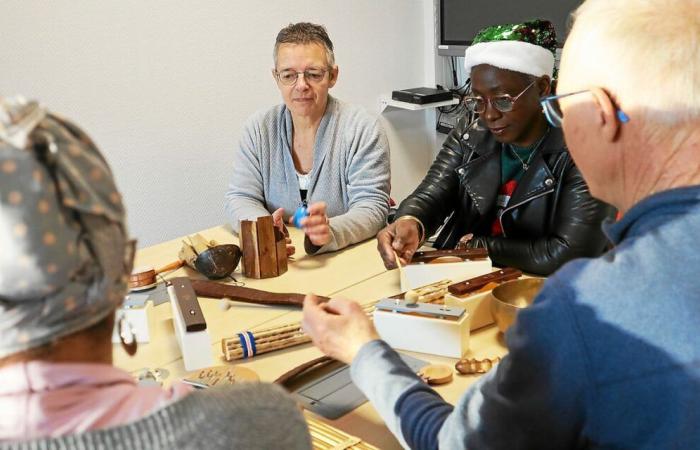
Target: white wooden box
[(477, 305), (195, 345), (424, 334), (420, 274)]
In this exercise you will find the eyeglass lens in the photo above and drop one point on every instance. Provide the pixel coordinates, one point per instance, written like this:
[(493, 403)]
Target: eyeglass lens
[(290, 77), (501, 103), (552, 111)]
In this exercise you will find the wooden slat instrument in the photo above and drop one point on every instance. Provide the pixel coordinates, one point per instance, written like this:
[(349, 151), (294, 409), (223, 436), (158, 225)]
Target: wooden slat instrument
[(213, 289), (473, 284), (468, 253)]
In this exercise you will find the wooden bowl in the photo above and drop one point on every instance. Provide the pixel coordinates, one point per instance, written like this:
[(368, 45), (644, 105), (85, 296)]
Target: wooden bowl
[(512, 296)]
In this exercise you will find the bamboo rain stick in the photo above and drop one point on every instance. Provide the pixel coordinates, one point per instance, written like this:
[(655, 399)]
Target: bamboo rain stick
[(270, 337), (274, 345), (287, 325), (297, 325), (266, 344), (238, 354), (290, 327), (263, 343), (267, 336)]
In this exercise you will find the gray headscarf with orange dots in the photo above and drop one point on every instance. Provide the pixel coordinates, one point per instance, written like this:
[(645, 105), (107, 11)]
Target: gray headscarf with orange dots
[(64, 250)]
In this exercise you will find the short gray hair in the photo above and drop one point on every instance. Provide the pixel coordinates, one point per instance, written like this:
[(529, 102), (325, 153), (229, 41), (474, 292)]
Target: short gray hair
[(644, 52), (305, 33)]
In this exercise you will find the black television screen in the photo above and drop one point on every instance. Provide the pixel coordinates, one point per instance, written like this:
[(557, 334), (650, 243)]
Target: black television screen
[(460, 20)]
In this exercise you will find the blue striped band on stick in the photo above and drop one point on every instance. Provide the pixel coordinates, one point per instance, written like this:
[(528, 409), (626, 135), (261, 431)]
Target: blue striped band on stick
[(247, 341)]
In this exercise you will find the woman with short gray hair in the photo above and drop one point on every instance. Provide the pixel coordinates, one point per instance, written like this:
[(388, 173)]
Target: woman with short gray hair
[(312, 151)]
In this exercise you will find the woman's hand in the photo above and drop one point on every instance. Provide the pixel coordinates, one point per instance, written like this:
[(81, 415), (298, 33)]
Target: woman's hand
[(339, 327), (278, 222), (401, 237), (316, 224)]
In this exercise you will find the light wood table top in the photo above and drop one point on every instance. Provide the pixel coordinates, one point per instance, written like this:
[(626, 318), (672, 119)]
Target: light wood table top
[(356, 273)]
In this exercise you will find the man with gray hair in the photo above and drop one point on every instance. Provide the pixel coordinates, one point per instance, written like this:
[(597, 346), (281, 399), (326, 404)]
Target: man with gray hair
[(608, 355), (312, 151)]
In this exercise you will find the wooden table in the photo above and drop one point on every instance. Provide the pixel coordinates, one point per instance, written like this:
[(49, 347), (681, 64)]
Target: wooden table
[(356, 273)]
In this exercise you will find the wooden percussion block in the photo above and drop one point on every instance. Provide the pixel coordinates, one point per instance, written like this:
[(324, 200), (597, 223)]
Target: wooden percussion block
[(249, 248), (264, 248)]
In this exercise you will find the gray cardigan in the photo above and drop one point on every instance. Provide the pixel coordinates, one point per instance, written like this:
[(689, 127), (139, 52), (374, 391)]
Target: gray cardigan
[(350, 172), (247, 416)]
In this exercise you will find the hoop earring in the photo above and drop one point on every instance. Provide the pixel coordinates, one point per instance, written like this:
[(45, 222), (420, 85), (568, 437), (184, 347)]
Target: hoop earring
[(127, 337)]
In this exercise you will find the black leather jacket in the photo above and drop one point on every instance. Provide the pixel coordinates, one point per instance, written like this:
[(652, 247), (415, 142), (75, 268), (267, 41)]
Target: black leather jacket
[(550, 219)]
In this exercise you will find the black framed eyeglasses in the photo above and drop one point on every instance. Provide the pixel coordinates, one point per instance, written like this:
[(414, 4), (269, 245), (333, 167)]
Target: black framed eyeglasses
[(289, 77), (552, 110), (503, 103)]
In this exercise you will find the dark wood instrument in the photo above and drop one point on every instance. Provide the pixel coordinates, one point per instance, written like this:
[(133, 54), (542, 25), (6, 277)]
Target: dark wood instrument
[(146, 275), (310, 366), (464, 254), (473, 284), (213, 289), (187, 304)]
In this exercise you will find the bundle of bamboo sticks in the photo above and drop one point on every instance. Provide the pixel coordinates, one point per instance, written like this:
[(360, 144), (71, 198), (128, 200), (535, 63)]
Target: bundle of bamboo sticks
[(247, 344), (326, 437)]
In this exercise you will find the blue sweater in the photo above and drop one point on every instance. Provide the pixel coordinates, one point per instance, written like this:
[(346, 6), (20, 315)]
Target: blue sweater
[(608, 356)]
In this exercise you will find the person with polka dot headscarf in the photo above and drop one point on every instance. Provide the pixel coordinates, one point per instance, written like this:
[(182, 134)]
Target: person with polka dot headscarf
[(64, 259), (63, 271)]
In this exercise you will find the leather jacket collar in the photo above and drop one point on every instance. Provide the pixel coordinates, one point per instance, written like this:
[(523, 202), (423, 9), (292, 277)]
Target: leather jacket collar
[(482, 165)]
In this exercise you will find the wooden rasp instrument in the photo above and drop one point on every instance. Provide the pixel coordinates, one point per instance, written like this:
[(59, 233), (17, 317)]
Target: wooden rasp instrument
[(473, 284), (467, 253), (213, 289)]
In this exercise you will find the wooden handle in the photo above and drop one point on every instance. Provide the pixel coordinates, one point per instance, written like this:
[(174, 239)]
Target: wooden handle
[(467, 253), (212, 289), (472, 284), (172, 266), (314, 364)]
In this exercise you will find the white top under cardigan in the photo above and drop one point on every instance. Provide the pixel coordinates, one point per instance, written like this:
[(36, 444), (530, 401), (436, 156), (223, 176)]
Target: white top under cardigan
[(350, 172)]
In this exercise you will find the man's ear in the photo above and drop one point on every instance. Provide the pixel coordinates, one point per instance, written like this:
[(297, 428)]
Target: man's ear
[(607, 115), (274, 74), (333, 76)]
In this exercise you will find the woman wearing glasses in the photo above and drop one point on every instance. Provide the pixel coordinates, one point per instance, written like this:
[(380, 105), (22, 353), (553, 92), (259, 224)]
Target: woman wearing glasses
[(313, 151), (506, 181)]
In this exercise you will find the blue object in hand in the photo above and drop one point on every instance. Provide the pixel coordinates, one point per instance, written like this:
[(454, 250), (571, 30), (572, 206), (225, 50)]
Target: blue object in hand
[(299, 214)]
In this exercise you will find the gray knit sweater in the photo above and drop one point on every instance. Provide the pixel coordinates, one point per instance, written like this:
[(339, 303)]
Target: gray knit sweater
[(247, 416), (350, 172)]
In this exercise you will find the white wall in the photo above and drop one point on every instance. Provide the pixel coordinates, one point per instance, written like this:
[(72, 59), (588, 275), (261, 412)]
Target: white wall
[(164, 86)]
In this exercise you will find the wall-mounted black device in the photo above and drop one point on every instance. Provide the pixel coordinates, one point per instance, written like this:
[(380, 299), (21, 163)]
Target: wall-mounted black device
[(422, 95)]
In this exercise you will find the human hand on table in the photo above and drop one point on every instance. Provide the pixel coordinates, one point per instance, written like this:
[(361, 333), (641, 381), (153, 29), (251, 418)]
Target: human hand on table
[(401, 237), (278, 222), (315, 225), (339, 327)]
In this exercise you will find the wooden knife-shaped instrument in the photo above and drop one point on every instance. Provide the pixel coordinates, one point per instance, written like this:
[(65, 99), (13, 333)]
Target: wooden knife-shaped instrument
[(467, 253), (213, 289), (473, 284)]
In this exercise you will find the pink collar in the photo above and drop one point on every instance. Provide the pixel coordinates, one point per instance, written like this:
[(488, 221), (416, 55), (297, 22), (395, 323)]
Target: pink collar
[(51, 399)]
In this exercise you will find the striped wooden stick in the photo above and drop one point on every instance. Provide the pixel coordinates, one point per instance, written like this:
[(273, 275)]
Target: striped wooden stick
[(247, 344)]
